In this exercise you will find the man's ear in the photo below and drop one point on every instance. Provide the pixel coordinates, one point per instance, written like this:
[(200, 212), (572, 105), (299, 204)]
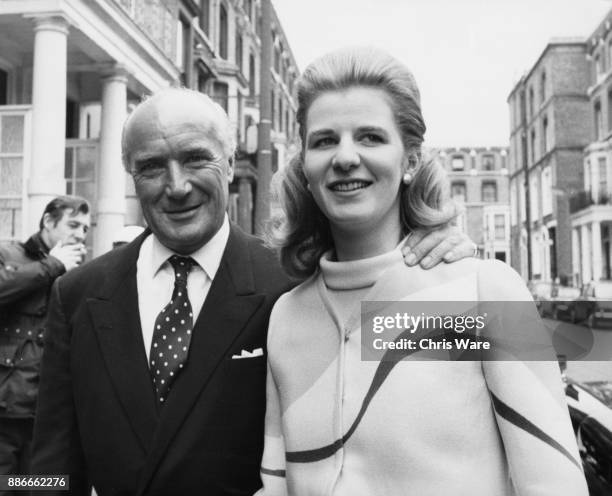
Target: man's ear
[(230, 169), (48, 221)]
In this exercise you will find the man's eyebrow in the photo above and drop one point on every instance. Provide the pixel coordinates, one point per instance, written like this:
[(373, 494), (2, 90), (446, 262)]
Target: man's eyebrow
[(203, 150), (372, 129), (145, 157), (318, 133)]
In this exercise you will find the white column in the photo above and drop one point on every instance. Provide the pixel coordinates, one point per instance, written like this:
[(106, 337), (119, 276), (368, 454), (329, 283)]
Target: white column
[(585, 237), (110, 210), (46, 178), (575, 255), (596, 250)]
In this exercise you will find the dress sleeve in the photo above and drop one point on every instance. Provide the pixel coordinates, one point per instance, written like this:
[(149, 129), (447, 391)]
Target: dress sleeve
[(273, 461), (530, 408)]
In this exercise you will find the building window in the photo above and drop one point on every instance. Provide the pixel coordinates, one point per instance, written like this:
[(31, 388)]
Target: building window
[(221, 94), (239, 136), (223, 32), (610, 109), (252, 77), (180, 44), (205, 16), (603, 178), (183, 37), (238, 54), (598, 65), (203, 78), (488, 162), (290, 82), (500, 226), (533, 144), (273, 109), (598, 120), (458, 163), (545, 135), (531, 102), (248, 8), (587, 175), (3, 87), (543, 88), (522, 200), (514, 203), (489, 192), (277, 57), (12, 146), (281, 115), (546, 192), (79, 171), (458, 191), (533, 197)]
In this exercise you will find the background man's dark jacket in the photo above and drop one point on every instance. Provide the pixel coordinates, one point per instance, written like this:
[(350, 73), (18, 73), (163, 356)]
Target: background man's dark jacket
[(27, 272)]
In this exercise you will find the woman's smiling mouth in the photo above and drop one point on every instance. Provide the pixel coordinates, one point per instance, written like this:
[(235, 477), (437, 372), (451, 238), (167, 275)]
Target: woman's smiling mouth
[(347, 186)]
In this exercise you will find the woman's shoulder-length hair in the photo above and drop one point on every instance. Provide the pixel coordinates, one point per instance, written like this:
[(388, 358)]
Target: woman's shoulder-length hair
[(301, 233)]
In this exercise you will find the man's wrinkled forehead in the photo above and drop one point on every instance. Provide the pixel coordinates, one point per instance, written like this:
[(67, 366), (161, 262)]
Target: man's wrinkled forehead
[(165, 115)]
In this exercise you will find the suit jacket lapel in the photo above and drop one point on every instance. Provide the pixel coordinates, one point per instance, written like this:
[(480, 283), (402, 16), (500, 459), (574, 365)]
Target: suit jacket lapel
[(228, 307), (117, 323)]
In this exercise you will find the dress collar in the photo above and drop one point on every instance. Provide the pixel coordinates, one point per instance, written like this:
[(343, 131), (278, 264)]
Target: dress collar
[(356, 274)]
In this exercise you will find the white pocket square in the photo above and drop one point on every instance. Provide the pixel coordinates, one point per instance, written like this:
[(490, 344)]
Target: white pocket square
[(248, 354)]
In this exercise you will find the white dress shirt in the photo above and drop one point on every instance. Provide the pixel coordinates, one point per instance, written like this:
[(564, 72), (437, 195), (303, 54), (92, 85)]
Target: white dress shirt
[(155, 278)]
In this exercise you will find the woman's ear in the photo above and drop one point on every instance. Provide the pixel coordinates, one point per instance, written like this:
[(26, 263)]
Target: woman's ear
[(409, 166), (407, 177)]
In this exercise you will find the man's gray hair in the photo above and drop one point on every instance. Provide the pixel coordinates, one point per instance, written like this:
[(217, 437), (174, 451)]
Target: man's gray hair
[(229, 138)]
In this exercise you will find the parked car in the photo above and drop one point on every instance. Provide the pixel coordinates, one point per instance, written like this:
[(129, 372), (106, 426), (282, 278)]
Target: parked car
[(542, 293), (590, 408), (597, 296), (568, 305)]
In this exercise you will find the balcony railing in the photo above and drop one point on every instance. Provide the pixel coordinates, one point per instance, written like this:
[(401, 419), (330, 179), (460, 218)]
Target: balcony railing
[(584, 199)]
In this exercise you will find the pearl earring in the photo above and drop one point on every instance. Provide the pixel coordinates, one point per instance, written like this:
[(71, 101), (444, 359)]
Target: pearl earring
[(407, 178)]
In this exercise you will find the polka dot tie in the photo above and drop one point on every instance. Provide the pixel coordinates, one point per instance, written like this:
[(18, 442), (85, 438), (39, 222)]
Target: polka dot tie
[(172, 331)]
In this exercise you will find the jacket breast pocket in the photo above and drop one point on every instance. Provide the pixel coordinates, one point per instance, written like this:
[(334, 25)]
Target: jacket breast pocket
[(245, 380)]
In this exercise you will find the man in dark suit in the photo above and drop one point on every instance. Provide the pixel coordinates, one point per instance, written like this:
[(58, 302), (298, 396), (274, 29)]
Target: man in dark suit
[(154, 367)]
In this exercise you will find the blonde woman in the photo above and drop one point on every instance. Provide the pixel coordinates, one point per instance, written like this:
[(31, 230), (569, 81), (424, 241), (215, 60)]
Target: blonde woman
[(337, 425)]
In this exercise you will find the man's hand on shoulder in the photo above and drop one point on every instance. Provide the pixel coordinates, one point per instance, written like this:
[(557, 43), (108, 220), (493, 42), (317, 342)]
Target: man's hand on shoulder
[(71, 255), (429, 248)]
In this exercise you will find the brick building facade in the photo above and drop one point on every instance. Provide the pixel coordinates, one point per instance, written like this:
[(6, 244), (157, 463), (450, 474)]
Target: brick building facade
[(549, 116), (479, 182)]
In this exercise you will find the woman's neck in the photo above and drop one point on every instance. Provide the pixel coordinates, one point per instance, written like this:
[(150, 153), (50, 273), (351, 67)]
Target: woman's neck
[(356, 245)]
